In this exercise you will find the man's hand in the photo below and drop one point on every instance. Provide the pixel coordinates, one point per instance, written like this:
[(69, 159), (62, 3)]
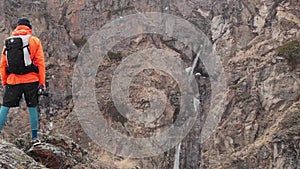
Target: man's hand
[(4, 87), (41, 89)]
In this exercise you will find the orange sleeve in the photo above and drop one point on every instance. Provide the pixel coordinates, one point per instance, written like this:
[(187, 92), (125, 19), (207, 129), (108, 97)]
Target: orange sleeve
[(3, 66), (39, 61)]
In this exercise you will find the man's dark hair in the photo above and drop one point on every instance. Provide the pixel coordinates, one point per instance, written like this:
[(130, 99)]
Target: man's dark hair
[(24, 21)]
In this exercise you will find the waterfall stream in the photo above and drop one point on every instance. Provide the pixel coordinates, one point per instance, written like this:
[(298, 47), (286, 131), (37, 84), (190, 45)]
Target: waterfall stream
[(190, 71), (177, 156)]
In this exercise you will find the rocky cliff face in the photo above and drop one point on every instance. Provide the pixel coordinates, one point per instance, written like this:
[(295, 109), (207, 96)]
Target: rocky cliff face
[(258, 45)]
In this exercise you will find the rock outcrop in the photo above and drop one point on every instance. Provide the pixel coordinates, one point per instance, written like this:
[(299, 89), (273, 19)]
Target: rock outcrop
[(49, 151), (56, 151), (12, 157)]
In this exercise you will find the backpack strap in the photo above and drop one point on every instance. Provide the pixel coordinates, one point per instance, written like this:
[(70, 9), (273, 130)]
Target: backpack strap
[(26, 50)]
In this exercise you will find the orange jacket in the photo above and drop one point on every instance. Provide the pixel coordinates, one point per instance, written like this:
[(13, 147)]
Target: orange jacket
[(36, 55)]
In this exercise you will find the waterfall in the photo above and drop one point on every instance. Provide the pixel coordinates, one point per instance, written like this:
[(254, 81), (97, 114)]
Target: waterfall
[(190, 71), (177, 157)]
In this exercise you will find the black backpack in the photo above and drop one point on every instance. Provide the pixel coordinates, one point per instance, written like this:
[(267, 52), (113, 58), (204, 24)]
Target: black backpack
[(18, 55)]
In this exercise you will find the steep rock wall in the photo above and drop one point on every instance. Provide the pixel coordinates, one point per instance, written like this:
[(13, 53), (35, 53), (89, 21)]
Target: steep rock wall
[(260, 125)]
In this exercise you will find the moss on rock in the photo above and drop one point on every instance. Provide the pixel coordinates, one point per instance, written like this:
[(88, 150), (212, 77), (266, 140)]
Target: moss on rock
[(290, 51)]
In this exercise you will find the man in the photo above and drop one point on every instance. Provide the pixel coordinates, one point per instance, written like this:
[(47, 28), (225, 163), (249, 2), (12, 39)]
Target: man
[(22, 76)]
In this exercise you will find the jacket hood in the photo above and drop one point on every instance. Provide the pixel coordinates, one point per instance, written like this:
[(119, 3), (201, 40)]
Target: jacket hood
[(22, 30)]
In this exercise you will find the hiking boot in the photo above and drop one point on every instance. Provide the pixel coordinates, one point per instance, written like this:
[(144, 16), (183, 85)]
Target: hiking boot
[(35, 142)]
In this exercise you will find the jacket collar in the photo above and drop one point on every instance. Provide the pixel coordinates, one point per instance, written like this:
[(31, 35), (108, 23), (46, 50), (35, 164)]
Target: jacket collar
[(22, 30)]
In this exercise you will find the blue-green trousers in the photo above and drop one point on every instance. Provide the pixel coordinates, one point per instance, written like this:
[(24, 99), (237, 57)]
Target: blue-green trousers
[(33, 119)]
